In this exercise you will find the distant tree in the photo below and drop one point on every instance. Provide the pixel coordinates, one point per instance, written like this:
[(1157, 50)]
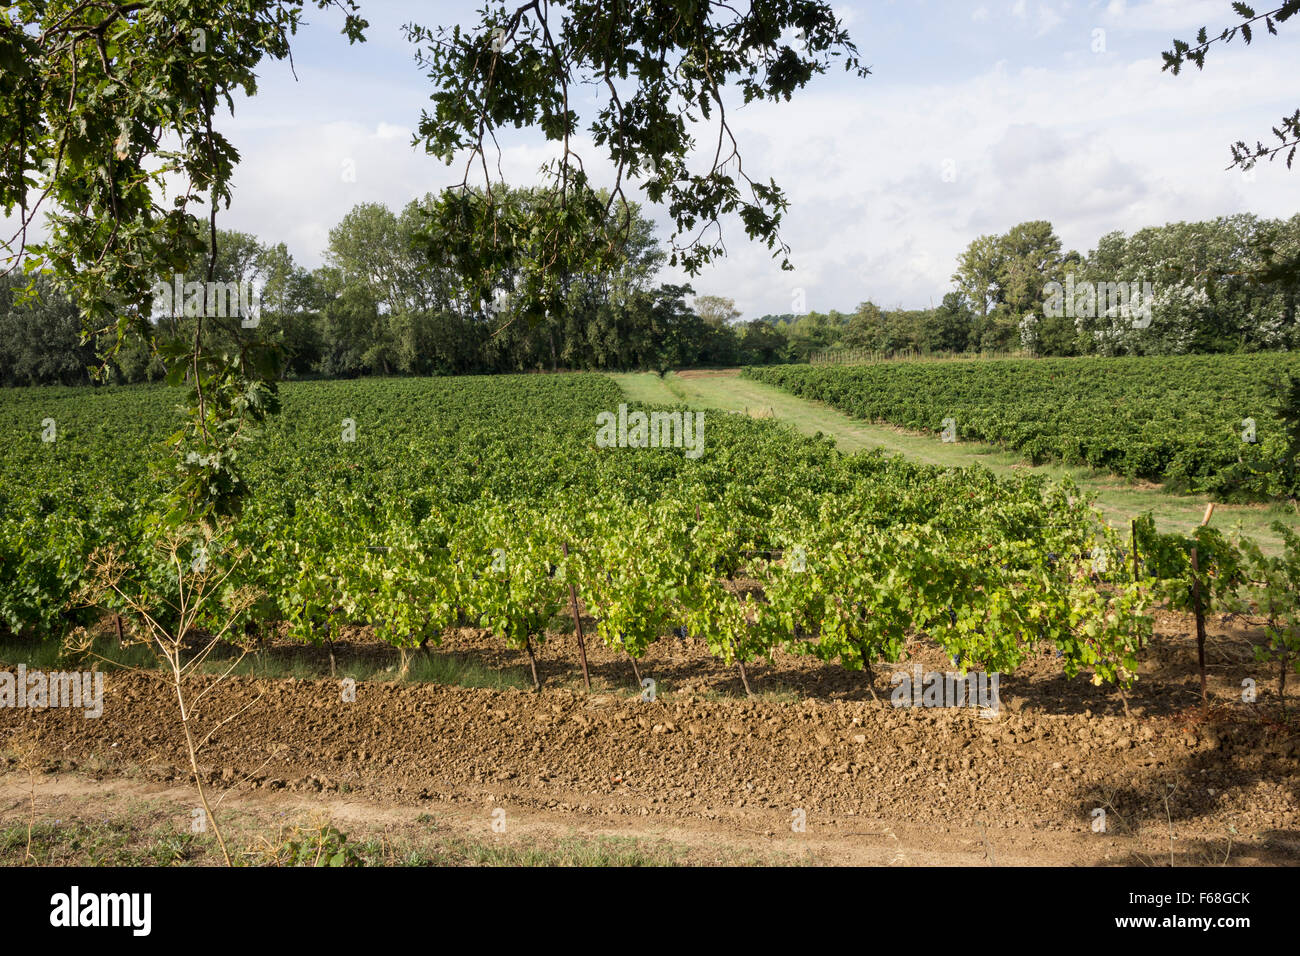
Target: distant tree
[(720, 346), (716, 310), (866, 328), (679, 333), (761, 343), (1212, 288), (1030, 257), (292, 300), (813, 332), (948, 327), (1002, 277), (979, 274), (40, 337), (348, 322)]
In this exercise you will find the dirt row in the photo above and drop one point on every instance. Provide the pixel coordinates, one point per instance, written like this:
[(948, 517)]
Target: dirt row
[(1037, 780)]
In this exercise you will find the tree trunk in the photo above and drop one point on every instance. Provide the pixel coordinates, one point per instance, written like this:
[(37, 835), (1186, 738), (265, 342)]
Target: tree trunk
[(871, 678), (744, 678), (577, 626), (532, 661)]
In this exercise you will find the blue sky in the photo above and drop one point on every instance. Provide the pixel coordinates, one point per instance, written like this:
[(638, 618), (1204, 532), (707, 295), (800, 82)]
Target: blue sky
[(1008, 97)]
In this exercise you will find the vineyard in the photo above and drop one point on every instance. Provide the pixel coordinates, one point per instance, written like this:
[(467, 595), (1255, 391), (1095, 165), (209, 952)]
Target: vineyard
[(414, 506), (481, 516), (461, 487), (1195, 423)]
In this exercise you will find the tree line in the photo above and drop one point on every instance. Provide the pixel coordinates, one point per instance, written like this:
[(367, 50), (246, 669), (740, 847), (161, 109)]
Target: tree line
[(390, 300), (1224, 285)]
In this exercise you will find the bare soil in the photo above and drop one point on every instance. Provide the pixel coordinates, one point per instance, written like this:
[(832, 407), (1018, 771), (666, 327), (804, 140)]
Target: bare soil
[(715, 772)]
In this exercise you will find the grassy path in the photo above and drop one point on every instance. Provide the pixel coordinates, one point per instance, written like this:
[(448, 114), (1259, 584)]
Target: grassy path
[(1119, 500)]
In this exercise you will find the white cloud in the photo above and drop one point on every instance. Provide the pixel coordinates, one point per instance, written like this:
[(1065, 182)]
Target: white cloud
[(1164, 15), (390, 131), (1095, 146), (1048, 19)]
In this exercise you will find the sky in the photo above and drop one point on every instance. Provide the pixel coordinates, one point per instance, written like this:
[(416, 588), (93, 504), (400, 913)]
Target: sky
[(977, 115)]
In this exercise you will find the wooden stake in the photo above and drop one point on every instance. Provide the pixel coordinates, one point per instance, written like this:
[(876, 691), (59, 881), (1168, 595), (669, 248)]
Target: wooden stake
[(577, 625)]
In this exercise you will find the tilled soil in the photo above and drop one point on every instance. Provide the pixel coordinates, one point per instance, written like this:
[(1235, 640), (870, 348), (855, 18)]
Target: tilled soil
[(703, 762)]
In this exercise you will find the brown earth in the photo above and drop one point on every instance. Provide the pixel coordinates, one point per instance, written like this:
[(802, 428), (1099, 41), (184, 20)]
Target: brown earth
[(707, 768)]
